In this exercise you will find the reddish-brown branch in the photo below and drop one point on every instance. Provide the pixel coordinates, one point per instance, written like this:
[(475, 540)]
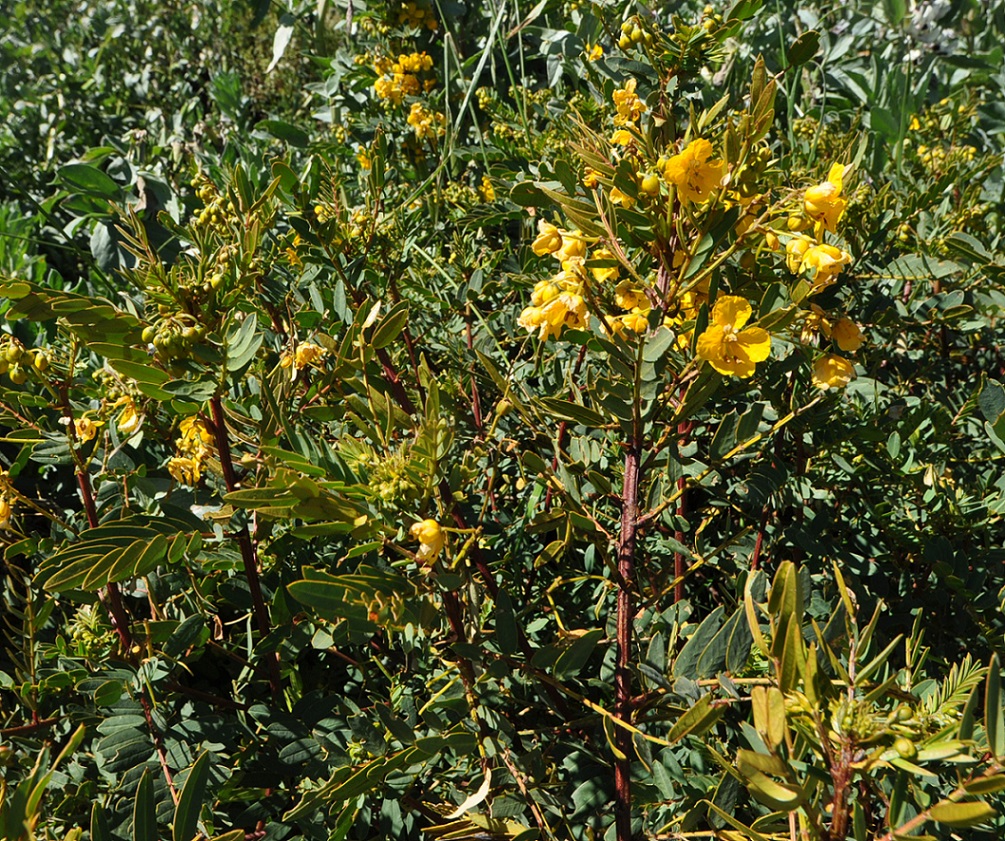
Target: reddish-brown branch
[(247, 548), (21, 729), (679, 562), (623, 673)]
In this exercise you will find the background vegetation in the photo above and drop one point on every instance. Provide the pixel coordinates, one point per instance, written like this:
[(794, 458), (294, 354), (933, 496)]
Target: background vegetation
[(377, 462)]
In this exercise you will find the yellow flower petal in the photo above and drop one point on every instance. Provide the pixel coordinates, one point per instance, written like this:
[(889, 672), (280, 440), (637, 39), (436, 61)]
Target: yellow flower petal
[(731, 310)]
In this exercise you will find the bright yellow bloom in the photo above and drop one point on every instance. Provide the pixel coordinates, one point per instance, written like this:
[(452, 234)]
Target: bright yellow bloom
[(426, 124), (185, 470), (620, 198), (549, 239), (308, 353), (129, 419), (823, 203), (629, 106), (832, 371), (544, 291), (728, 348), (826, 262), (430, 537), (604, 273), (6, 509), (567, 310), (84, 429), (692, 171), (622, 137), (573, 246), (637, 320), (488, 192), (590, 178), (795, 248), (847, 334), (594, 52), (628, 296)]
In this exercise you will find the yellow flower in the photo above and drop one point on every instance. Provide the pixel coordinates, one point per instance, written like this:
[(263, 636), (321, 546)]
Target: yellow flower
[(430, 537), (84, 429), (129, 419), (847, 334), (823, 203), (185, 470), (692, 171), (832, 371), (795, 248), (544, 291), (728, 348), (567, 310), (5, 512), (826, 261), (620, 198), (573, 245), (628, 296), (590, 178), (604, 273), (549, 239), (628, 104), (637, 320), (594, 52), (308, 354), (486, 189), (622, 137)]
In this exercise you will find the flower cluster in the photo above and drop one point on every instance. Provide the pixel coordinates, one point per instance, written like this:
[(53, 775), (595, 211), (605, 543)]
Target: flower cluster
[(305, 355), (426, 124), (417, 16), (629, 107), (7, 499), (401, 78), (194, 446), (559, 302)]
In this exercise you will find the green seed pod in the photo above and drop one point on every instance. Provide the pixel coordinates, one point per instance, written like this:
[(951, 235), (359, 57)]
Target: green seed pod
[(148, 334), (905, 747)]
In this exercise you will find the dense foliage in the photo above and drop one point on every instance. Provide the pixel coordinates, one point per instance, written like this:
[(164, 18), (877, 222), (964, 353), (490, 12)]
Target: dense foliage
[(491, 421)]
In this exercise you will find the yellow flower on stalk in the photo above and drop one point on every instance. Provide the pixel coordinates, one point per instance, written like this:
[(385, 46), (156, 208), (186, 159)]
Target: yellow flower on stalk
[(628, 296), (594, 52), (637, 320), (628, 104), (6, 509), (726, 346), (622, 137), (604, 273), (847, 334), (488, 192), (567, 310), (831, 371), (693, 173), (549, 239), (795, 249), (185, 470), (84, 429), (573, 246), (823, 203), (826, 263), (430, 537), (129, 419), (621, 198), (590, 178)]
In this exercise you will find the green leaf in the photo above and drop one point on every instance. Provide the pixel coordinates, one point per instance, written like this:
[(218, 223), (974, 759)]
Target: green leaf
[(507, 634), (803, 48), (967, 247), (88, 179), (144, 810), (566, 410), (575, 656), (243, 342), (390, 326), (696, 720), (186, 813), (284, 131), (994, 716), (686, 664), (961, 815), (773, 794)]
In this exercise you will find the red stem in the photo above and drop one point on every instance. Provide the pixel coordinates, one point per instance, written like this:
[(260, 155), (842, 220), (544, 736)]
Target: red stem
[(623, 673), (243, 538)]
